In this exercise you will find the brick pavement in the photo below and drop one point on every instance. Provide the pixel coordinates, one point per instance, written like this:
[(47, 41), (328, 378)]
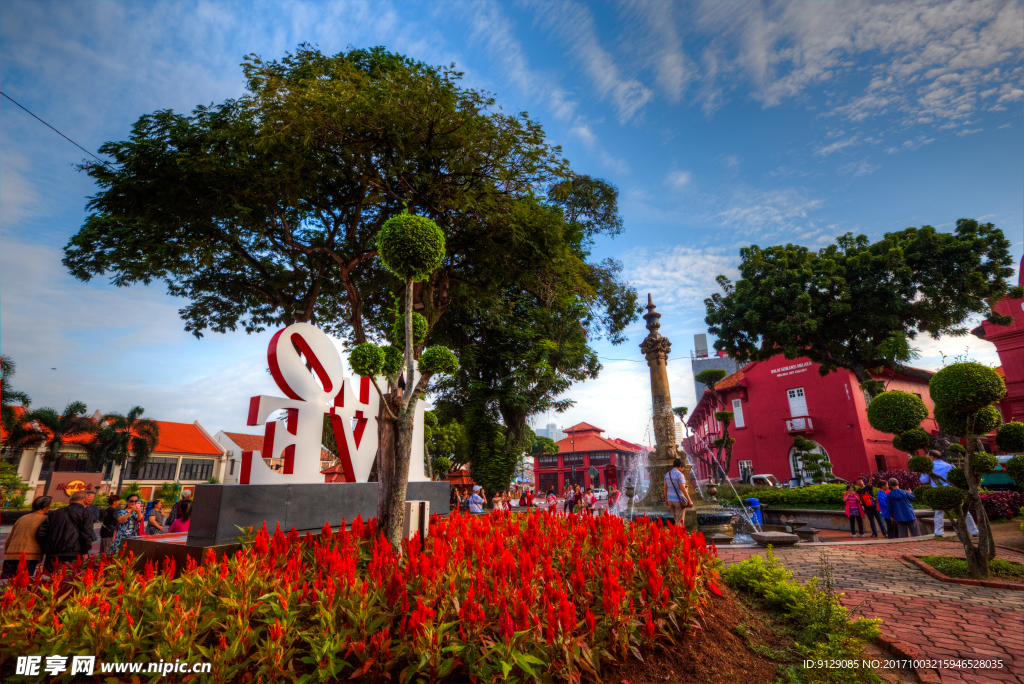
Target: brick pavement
[(939, 619)]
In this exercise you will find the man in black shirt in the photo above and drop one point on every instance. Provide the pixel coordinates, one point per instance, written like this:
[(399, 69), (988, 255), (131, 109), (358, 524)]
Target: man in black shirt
[(109, 528), (66, 533)]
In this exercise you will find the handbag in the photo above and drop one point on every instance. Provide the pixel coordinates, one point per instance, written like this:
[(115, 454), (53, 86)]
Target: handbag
[(683, 499)]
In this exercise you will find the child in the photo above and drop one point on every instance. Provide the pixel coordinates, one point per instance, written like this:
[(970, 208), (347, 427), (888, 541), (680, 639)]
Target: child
[(854, 510)]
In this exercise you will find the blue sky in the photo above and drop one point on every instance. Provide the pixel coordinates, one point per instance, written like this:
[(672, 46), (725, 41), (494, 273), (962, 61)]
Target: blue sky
[(722, 124)]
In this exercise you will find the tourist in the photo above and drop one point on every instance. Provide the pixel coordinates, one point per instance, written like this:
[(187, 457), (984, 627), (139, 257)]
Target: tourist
[(577, 498), (675, 491), (109, 527), (21, 540), (477, 500), (184, 515), (463, 500), (156, 520), (589, 499), (453, 499), (552, 501), (870, 507), (883, 509), (529, 499), (901, 508), (940, 471), (93, 509), (185, 496), (67, 533), (854, 510), (129, 522)]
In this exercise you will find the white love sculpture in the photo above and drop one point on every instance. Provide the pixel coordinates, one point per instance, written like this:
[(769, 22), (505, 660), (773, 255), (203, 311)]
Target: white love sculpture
[(353, 415)]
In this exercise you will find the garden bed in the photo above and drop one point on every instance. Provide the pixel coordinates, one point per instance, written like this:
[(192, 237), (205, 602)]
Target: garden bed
[(1004, 574)]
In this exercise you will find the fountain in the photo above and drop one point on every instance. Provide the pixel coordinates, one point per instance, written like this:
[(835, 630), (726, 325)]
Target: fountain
[(709, 517)]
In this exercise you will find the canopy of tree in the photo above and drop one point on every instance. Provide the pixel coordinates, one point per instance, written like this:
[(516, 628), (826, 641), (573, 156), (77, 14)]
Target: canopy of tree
[(844, 305)]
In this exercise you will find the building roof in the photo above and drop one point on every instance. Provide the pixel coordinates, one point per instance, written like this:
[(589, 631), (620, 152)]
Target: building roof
[(184, 438), (246, 442), (733, 380), (588, 442), (583, 427), (999, 371), (628, 446)]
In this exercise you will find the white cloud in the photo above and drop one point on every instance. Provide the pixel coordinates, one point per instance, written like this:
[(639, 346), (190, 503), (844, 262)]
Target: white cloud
[(766, 213), (574, 25), (18, 197), (972, 131), (858, 168), (910, 145), (825, 150), (590, 140), (678, 179), (679, 276)]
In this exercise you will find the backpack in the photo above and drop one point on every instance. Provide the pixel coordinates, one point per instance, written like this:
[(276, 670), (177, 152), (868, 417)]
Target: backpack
[(868, 500)]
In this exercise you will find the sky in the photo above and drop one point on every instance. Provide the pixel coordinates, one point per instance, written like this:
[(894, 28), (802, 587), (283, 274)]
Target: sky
[(722, 125)]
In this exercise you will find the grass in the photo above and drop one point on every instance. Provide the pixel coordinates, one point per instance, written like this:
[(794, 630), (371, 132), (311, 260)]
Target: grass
[(957, 567)]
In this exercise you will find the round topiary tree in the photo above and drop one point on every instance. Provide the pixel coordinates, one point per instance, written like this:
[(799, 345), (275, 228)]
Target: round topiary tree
[(964, 394), (1010, 438), (956, 478), (920, 464), (1015, 468), (411, 246), (896, 412), (912, 440)]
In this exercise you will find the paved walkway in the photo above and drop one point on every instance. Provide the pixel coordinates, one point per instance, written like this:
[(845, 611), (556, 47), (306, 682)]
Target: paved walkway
[(941, 620)]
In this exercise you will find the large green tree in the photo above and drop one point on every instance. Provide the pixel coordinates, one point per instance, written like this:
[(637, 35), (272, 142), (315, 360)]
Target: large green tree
[(851, 304), (10, 397), (58, 430), (126, 437)]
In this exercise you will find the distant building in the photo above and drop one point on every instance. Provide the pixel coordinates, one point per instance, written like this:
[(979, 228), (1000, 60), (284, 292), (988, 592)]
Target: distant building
[(679, 433), (699, 361), (1009, 342), (551, 431), (583, 447), (237, 442)]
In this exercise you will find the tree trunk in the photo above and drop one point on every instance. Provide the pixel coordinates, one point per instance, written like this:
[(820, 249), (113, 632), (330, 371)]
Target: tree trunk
[(394, 477), (977, 556), (387, 508), (120, 476)]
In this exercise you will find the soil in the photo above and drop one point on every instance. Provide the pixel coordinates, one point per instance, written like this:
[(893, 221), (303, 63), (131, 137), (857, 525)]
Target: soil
[(738, 644), (1009, 534)]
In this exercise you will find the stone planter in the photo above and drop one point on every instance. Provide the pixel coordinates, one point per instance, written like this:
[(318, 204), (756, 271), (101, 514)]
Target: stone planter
[(830, 520)]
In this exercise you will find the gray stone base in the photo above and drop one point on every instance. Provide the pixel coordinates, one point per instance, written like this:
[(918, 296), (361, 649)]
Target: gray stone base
[(220, 510), (775, 538)]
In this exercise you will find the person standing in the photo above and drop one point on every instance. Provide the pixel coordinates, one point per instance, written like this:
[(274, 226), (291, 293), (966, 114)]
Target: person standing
[(870, 506), (675, 492), (854, 510), (67, 533), (94, 510), (22, 539), (155, 520), (476, 500), (940, 471), (883, 510), (173, 515), (109, 527), (129, 522), (184, 516), (901, 507), (529, 499)]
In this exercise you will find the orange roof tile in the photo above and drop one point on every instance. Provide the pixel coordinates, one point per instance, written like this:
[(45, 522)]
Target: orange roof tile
[(588, 442), (246, 441), (1000, 372), (731, 380), (184, 438), (583, 427)]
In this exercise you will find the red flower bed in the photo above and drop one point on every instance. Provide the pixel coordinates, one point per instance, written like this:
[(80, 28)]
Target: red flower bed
[(486, 597)]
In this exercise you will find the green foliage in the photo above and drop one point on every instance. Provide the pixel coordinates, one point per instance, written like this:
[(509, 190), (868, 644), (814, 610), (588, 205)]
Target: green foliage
[(957, 567), (8, 395), (920, 464), (420, 328), (956, 449), (954, 421), (921, 492), (366, 360), (131, 489), (442, 466), (681, 412), (1010, 438), (11, 485), (816, 495), (430, 419), (957, 478), (710, 377), (394, 358), (724, 442), (821, 624), (438, 360), (896, 412), (544, 445), (410, 246), (840, 305), (1015, 468), (945, 498), (966, 387), (983, 462), (724, 416), (809, 462), (912, 440), (169, 492)]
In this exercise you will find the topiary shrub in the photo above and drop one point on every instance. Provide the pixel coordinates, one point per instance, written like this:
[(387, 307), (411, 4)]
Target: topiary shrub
[(912, 440), (957, 478), (366, 360), (724, 416), (1010, 438), (968, 386), (956, 449), (438, 360), (945, 498), (983, 462), (1015, 468), (710, 377), (896, 412), (921, 493), (393, 360), (954, 421), (410, 246), (420, 327), (920, 464)]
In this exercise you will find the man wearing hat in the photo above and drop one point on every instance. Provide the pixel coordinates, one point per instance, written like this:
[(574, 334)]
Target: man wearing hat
[(675, 491), (477, 500)]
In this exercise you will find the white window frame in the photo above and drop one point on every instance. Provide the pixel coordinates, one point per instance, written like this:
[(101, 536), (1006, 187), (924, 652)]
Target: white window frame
[(791, 394), (737, 412)]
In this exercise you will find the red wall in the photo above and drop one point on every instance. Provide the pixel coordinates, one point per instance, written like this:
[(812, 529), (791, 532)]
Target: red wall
[(836, 406)]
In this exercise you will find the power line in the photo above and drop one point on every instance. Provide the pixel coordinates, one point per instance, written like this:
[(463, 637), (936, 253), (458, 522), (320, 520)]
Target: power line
[(675, 358), (54, 129)]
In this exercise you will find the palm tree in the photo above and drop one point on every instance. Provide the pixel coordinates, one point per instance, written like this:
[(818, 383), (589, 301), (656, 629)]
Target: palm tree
[(19, 433), (7, 393), (61, 429), (127, 436)]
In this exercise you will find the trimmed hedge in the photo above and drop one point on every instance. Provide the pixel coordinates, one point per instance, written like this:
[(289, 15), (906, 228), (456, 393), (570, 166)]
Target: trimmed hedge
[(968, 386), (825, 494), (896, 412)]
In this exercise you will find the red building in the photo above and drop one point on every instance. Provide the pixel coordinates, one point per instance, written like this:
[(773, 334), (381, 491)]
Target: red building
[(775, 400), (582, 448), (1009, 342)]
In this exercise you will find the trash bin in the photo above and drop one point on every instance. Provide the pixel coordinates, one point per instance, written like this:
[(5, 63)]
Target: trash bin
[(755, 511)]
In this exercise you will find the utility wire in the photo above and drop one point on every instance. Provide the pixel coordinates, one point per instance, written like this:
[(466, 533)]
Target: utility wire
[(54, 129)]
